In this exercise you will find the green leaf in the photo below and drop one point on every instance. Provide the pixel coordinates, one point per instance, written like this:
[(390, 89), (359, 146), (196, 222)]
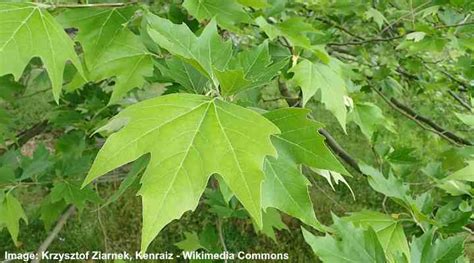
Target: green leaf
[(190, 243), (299, 140), (227, 13), (286, 189), (110, 48), (28, 31), (389, 231), (206, 52), (369, 117), (424, 250), (295, 31), (50, 211), (328, 81), (271, 221), (331, 176), (73, 194), (467, 119), (257, 4), (351, 245), (249, 69), (464, 174), (190, 137), (389, 186), (7, 175), (131, 179), (10, 214), (378, 17), (184, 74), (37, 165)]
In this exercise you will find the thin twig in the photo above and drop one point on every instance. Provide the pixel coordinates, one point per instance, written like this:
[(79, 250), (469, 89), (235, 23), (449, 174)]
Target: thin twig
[(455, 25), (460, 100), (52, 5), (341, 28), (102, 226), (422, 121), (221, 235), (52, 235)]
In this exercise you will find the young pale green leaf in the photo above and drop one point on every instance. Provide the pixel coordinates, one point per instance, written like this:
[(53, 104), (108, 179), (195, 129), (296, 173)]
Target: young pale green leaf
[(110, 48), (10, 214), (389, 231), (206, 53), (351, 245), (300, 141), (190, 137), (369, 118), (328, 80), (28, 31), (227, 13)]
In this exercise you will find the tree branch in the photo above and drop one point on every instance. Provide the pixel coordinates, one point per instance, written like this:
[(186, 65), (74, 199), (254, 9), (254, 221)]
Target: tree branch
[(52, 5), (461, 101), (423, 121), (52, 235)]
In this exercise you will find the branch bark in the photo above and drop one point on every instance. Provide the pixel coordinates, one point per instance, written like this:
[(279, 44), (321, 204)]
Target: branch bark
[(460, 100), (423, 121), (52, 235)]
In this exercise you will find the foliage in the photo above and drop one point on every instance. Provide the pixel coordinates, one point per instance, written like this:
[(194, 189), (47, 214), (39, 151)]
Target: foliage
[(231, 106)]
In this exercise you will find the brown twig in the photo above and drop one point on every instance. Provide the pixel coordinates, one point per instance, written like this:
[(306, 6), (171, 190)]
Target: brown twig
[(341, 28), (461, 101), (423, 121), (64, 5), (52, 235)]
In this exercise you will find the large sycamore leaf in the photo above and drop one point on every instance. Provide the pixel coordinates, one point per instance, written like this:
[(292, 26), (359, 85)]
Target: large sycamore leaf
[(389, 231), (27, 31), (227, 13), (10, 214), (300, 141), (328, 80), (189, 137), (352, 245), (110, 48), (206, 52)]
